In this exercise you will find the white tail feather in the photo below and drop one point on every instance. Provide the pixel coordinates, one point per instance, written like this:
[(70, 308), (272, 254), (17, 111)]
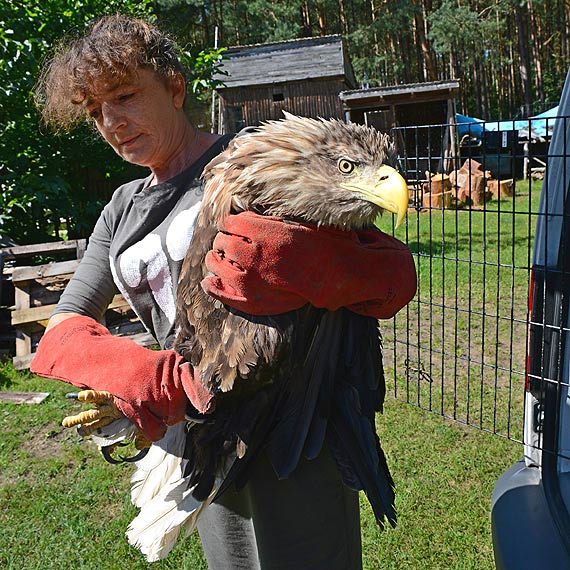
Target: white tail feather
[(159, 524), (161, 466), (167, 507)]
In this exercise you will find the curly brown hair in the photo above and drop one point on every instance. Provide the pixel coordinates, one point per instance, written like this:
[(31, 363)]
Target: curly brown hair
[(112, 48)]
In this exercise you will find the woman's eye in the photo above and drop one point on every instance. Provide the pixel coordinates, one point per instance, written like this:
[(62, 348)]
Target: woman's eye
[(346, 166), (125, 96)]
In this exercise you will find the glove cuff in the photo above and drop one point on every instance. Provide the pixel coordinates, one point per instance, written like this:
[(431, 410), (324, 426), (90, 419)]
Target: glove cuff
[(151, 387)]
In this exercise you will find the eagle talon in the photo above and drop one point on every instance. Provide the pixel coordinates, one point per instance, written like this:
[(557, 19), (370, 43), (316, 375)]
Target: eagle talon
[(106, 452), (140, 455)]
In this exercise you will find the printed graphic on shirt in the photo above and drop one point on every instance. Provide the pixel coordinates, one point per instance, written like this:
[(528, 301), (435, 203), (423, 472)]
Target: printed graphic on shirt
[(180, 233), (147, 258), (124, 292), (149, 261)]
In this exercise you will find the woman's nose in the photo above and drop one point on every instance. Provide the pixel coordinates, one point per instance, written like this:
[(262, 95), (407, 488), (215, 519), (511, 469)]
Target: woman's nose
[(112, 117)]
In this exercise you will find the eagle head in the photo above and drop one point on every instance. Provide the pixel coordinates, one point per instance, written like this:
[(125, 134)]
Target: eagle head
[(324, 172)]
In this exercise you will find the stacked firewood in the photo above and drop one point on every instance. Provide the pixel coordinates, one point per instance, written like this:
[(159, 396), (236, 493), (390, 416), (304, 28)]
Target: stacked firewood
[(468, 186)]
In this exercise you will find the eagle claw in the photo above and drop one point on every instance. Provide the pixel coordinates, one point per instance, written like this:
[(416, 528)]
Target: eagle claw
[(107, 451)]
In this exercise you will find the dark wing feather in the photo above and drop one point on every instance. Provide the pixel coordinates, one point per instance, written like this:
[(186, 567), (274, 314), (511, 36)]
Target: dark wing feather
[(331, 391), (358, 396), (314, 355)]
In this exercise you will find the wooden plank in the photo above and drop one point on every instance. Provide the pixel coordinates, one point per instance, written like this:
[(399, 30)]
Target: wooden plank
[(34, 314), (23, 342), (37, 291), (23, 397), (22, 297), (40, 271), (42, 248)]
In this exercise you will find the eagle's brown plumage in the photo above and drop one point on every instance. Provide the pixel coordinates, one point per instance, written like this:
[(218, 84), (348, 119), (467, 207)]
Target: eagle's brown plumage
[(287, 382), (286, 169)]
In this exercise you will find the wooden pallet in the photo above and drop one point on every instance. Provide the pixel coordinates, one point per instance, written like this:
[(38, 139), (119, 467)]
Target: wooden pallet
[(37, 289), (13, 256)]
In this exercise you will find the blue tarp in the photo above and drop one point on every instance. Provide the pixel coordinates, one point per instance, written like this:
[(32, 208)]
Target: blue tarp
[(534, 127), (469, 126)]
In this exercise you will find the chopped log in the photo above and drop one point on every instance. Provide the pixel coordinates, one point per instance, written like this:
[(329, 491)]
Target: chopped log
[(471, 165), (415, 195), (480, 196), (462, 196), (437, 201), (438, 183), (501, 188), (453, 177), (470, 183), (479, 193), (456, 203)]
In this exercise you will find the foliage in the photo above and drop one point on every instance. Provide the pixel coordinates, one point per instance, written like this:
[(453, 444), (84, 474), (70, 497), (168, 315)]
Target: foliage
[(52, 186), (206, 67), (479, 42), (46, 179)]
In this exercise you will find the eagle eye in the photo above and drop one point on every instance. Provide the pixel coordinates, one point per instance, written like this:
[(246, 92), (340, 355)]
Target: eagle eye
[(346, 166)]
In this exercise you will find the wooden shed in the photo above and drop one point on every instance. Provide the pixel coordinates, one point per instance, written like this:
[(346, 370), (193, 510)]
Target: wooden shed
[(303, 76), (417, 111)]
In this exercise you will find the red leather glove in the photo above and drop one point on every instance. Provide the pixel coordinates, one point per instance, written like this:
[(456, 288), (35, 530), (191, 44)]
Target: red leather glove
[(151, 387), (265, 266)]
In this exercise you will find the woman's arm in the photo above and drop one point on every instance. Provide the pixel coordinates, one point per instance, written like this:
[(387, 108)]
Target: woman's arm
[(152, 388)]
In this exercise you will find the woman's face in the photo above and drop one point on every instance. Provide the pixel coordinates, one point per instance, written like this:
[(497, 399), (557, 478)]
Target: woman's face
[(141, 117)]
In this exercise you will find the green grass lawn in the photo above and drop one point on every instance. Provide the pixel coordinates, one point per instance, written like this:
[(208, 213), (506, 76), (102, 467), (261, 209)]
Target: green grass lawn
[(62, 506)]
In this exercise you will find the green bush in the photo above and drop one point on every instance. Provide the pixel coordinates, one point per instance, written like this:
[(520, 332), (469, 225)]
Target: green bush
[(55, 186)]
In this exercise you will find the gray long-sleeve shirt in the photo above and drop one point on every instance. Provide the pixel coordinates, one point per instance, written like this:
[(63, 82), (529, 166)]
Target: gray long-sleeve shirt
[(137, 248)]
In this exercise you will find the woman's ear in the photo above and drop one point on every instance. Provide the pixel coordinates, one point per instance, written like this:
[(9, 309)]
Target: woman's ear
[(178, 86)]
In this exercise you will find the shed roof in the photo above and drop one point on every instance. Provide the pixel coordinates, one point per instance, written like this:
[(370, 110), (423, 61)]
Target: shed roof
[(291, 60), (409, 91)]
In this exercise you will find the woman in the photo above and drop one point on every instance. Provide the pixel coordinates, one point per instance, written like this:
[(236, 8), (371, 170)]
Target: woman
[(125, 76)]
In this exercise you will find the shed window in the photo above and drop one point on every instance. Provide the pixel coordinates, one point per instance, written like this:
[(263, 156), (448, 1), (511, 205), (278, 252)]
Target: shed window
[(278, 97)]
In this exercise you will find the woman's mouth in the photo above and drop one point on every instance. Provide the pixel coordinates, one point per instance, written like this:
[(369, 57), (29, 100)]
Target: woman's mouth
[(128, 142)]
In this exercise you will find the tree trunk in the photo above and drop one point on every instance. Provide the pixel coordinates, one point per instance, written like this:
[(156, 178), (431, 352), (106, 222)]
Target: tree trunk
[(536, 55), (374, 31), (522, 34), (342, 16), (305, 20), (420, 20), (321, 18)]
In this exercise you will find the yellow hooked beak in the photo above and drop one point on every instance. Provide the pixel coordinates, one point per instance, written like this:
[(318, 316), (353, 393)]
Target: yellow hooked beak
[(386, 189)]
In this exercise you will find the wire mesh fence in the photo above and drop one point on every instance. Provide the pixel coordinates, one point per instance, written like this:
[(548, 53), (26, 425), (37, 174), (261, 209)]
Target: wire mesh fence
[(459, 348)]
